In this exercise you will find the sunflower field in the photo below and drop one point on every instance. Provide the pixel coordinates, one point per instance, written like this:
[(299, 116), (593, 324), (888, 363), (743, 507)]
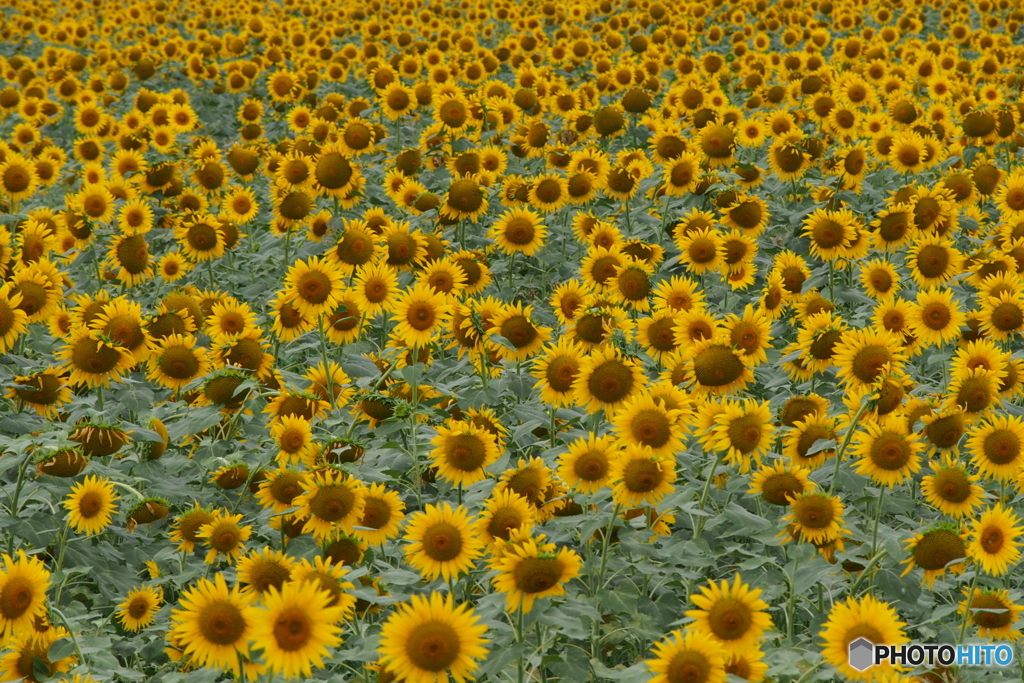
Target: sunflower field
[(515, 340)]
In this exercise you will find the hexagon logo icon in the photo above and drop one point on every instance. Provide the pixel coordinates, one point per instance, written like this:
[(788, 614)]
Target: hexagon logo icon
[(862, 654)]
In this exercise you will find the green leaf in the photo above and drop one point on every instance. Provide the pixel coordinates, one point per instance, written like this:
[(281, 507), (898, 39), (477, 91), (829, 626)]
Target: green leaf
[(61, 648)]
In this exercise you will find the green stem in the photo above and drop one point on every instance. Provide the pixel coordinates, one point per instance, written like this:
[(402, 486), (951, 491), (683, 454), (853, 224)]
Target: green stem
[(791, 603), (846, 442), (705, 493), (327, 366), (878, 516), (605, 542), (519, 639), (970, 601)]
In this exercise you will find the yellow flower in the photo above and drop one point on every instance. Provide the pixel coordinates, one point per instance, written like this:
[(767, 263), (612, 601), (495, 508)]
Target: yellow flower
[(90, 505)]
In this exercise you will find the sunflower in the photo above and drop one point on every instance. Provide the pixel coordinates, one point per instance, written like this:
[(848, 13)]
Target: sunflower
[(952, 488), (606, 380), (23, 584), (556, 369), (701, 251), (519, 231), (121, 320), (907, 153), (994, 541), (733, 616), (867, 618), (933, 260), (213, 625), (976, 392), (46, 392), (465, 199), (529, 571), (187, 525), (750, 334), (332, 500), (428, 636), (688, 657), (935, 550), (714, 367), (375, 287), (94, 360), (172, 266), (13, 320), (887, 452), (280, 488), (330, 575), (993, 612), (28, 657), (515, 333), (815, 517), (638, 477), (297, 628), (681, 174), (462, 451), (829, 232), (893, 227), (642, 421), (441, 542), (229, 320), (139, 608), (778, 483), (223, 535), (383, 515), (996, 446), (1002, 316), (421, 314), (504, 513), (294, 437), (90, 505), (862, 355), (314, 286), (201, 237)]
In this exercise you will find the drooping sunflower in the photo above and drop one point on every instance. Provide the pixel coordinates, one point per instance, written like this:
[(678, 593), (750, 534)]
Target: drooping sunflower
[(214, 625), (995, 540), (297, 628), (941, 547), (730, 614), (90, 505), (528, 571), (851, 619), (429, 636), (687, 656), (441, 542), (139, 607)]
